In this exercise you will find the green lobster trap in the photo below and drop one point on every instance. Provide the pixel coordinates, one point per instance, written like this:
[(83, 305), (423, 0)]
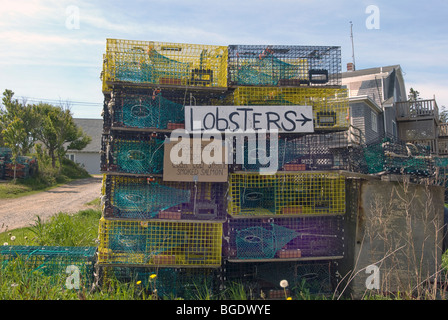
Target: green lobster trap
[(160, 243), (130, 152), (128, 197), (398, 157), (143, 110), (59, 263), (165, 282), (262, 279)]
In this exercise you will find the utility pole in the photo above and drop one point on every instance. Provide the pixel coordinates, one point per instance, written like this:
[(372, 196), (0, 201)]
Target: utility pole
[(353, 46)]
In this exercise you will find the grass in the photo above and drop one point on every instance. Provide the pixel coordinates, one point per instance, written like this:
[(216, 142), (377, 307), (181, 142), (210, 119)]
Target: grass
[(46, 178), (19, 282)]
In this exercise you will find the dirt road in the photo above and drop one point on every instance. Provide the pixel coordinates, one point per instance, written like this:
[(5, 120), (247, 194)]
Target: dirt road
[(69, 198)]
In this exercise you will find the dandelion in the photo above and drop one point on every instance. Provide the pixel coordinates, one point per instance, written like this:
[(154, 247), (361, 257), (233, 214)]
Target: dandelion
[(5, 243), (153, 276), (26, 238), (13, 238), (289, 298), (284, 284), (139, 282)]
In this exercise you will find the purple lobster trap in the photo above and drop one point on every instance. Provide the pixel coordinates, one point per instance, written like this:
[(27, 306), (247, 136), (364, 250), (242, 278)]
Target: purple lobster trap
[(293, 238)]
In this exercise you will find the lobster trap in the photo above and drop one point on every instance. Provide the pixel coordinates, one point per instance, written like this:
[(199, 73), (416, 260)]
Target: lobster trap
[(160, 243), (398, 157), (311, 152), (163, 63), (286, 238), (330, 105), (130, 152), (145, 110), (56, 262), (166, 282), (263, 278), (145, 198), (252, 194), (284, 65)]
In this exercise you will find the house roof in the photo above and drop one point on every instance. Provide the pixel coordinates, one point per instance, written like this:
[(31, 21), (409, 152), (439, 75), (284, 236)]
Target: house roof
[(94, 129), (369, 71)]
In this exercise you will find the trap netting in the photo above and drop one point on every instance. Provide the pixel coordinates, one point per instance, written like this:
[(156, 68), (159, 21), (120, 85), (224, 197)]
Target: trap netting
[(330, 105), (311, 152), (252, 194), (56, 262), (263, 278), (285, 238), (164, 282), (146, 198), (164, 63), (143, 110), (130, 152), (160, 243), (398, 157), (331, 151), (284, 65)]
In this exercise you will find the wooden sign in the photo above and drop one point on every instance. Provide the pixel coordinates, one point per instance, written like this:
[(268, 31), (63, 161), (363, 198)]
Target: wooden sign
[(195, 160)]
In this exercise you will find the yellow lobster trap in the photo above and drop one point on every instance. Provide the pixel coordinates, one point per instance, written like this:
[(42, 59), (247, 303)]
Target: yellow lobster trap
[(330, 105), (160, 243), (164, 63), (285, 194)]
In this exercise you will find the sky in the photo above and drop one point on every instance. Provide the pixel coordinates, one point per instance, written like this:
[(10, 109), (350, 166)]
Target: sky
[(51, 50)]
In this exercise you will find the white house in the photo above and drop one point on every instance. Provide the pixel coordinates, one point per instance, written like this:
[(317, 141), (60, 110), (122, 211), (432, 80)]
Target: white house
[(89, 157)]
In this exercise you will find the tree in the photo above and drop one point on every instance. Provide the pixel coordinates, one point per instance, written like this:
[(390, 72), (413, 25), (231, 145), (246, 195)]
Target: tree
[(413, 95), (12, 110), (58, 132), (13, 135)]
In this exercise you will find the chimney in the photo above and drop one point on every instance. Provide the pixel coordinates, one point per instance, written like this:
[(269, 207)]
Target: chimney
[(350, 66)]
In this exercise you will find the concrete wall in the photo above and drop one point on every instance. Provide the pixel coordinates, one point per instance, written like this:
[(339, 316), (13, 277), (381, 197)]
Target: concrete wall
[(396, 227)]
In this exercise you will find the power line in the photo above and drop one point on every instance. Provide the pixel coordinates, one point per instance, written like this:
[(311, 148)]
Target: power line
[(70, 102)]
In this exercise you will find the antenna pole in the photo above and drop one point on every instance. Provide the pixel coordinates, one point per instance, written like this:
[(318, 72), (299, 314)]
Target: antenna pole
[(353, 46)]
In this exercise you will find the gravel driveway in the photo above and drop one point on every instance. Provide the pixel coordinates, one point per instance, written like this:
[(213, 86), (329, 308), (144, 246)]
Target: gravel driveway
[(69, 198)]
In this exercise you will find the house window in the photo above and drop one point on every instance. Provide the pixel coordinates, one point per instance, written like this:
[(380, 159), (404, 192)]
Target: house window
[(71, 156), (374, 120)]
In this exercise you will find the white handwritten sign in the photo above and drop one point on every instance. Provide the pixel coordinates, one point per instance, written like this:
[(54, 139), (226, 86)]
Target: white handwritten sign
[(233, 118)]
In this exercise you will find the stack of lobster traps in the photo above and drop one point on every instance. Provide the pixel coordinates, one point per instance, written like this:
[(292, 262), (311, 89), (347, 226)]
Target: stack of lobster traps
[(239, 221)]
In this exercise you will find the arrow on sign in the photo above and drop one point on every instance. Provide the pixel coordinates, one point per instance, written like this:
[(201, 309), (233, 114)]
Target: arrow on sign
[(304, 120)]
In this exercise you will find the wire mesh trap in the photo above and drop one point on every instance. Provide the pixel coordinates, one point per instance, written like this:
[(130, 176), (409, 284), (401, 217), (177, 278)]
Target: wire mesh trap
[(165, 282), (398, 157), (272, 65), (285, 238), (146, 198), (160, 243), (262, 279), (129, 152), (286, 194), (55, 262), (330, 105), (163, 63)]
